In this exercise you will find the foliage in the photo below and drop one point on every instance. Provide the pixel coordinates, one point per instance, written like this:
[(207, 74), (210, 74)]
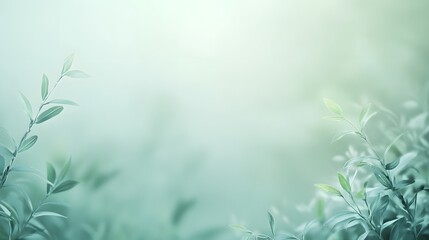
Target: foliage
[(22, 216), (383, 188)]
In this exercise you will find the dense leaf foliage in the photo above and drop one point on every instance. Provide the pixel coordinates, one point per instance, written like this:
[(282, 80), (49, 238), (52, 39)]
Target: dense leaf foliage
[(383, 189), (23, 216)]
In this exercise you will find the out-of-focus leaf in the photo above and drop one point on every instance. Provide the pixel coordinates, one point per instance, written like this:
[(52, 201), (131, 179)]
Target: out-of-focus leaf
[(63, 101), (2, 164), (28, 143), (51, 176), (181, 209), (286, 236), (48, 214), (362, 160), (380, 209), (363, 235), (320, 210), (404, 161), (404, 183), (329, 189), (76, 74), (27, 105), (67, 64), (5, 138), (45, 87), (363, 114), (341, 135), (5, 152), (64, 186), (272, 223), (392, 165), (392, 148), (333, 106), (65, 170), (381, 177), (48, 114), (240, 228), (345, 184), (334, 118)]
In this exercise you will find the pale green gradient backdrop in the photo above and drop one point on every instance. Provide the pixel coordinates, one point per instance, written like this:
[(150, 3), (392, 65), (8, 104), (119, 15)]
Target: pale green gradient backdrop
[(217, 100)]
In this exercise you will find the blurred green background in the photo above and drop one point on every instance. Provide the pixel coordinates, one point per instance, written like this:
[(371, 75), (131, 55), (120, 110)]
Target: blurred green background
[(213, 102)]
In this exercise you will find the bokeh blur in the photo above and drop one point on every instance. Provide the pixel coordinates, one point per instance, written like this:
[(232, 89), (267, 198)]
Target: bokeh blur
[(199, 114)]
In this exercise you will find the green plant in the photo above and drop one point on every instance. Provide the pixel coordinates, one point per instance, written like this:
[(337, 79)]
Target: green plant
[(19, 217), (383, 188)]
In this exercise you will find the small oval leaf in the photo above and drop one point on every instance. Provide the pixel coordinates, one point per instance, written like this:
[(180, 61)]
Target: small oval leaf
[(272, 223), (63, 101), (45, 87), (329, 189), (76, 74), (52, 175), (5, 152), (333, 106), (28, 143), (392, 165), (64, 186), (345, 184), (27, 105), (48, 114), (67, 64), (47, 213)]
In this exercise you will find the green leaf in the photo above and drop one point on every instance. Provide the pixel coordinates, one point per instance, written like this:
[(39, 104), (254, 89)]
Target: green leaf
[(5, 138), (28, 143), (334, 118), (366, 119), (272, 223), (392, 165), (365, 116), (341, 135), (64, 186), (381, 177), (240, 228), (360, 194), (361, 160), (345, 184), (63, 101), (404, 183), (76, 74), (5, 152), (65, 170), (2, 164), (380, 209), (47, 213), (364, 113), (286, 236), (329, 189), (67, 64), (392, 147), (363, 235), (45, 87), (27, 105), (182, 207), (320, 210), (52, 175), (333, 106), (48, 114)]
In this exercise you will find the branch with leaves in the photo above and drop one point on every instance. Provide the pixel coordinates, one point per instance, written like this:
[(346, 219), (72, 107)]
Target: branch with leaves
[(385, 197), (21, 222), (39, 117)]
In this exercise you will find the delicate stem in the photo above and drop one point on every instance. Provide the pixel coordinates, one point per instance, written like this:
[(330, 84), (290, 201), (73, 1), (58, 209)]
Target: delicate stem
[(32, 213), (30, 126)]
